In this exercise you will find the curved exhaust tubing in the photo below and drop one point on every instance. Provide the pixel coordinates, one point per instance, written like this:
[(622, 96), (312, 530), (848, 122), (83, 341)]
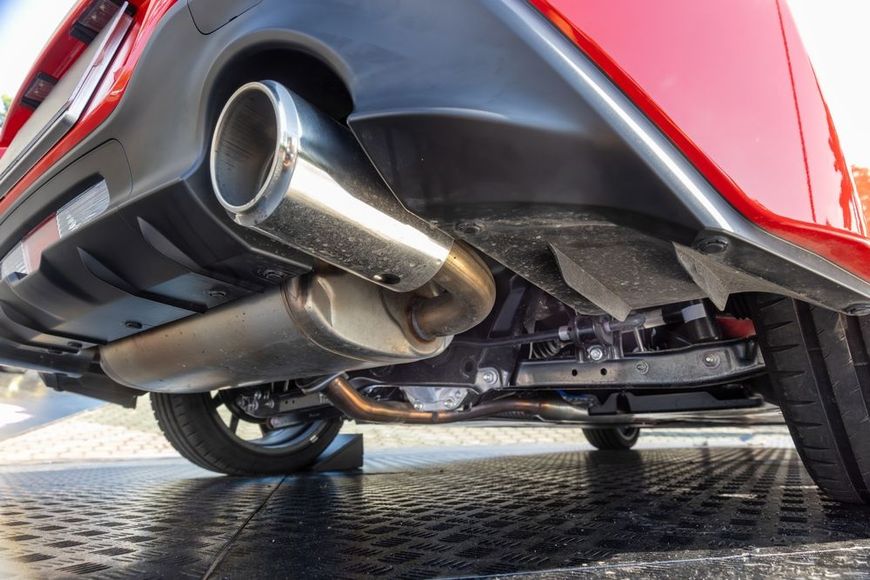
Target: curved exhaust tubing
[(282, 168), (346, 399)]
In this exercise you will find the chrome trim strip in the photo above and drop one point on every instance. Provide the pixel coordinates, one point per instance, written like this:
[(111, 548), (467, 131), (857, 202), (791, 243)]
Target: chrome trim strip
[(41, 136)]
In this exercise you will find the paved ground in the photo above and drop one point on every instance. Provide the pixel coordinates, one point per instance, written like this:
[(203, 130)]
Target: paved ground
[(109, 432), (481, 511), (101, 493)]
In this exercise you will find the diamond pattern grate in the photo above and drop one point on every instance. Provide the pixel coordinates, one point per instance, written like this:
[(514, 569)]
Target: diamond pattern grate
[(479, 517)]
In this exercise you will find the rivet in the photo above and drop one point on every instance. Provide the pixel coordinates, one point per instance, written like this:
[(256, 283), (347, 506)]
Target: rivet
[(468, 228), (714, 245)]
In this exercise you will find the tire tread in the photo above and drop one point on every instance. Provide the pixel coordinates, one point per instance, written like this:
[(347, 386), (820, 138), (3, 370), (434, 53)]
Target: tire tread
[(609, 439), (188, 424), (810, 354)]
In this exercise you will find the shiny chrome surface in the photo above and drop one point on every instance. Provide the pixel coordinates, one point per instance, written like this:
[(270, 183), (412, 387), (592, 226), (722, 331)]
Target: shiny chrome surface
[(316, 324), (286, 170), (356, 406), (65, 104)]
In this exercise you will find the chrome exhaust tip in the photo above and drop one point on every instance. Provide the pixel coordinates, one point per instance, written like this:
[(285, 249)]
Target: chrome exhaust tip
[(253, 151), (285, 169)]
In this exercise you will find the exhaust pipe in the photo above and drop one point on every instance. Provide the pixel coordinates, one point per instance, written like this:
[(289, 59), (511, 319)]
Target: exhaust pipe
[(282, 168), (349, 401)]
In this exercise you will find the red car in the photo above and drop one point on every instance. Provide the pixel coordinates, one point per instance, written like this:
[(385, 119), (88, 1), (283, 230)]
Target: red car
[(280, 215)]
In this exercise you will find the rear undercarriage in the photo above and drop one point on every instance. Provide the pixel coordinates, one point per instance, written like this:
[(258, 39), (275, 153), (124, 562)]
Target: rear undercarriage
[(298, 248), (398, 322)]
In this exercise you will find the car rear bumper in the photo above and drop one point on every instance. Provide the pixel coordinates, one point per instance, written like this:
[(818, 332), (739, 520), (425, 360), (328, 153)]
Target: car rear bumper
[(473, 113)]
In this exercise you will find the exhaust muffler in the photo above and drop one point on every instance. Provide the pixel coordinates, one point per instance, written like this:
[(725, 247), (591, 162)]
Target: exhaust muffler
[(312, 325), (282, 168)]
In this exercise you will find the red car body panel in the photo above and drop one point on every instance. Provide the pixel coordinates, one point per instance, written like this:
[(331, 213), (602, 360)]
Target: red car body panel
[(731, 84), (56, 58)]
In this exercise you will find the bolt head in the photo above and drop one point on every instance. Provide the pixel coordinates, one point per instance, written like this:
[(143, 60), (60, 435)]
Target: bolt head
[(642, 367), (133, 325), (595, 353), (711, 359), (489, 377)]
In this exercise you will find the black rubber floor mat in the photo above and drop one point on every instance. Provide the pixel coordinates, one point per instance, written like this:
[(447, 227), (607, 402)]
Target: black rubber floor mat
[(703, 511)]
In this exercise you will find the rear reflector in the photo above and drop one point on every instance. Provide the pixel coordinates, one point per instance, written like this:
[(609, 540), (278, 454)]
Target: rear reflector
[(84, 208), (14, 262), (38, 89), (94, 19), (38, 241)]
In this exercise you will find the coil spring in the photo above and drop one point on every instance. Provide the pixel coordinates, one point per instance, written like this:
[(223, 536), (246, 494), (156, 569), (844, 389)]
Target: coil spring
[(547, 349)]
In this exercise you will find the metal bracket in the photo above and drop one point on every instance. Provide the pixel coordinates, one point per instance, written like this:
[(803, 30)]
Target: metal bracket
[(706, 364)]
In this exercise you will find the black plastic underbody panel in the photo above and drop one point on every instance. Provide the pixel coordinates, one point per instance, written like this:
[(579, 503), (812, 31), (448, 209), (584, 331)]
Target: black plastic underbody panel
[(712, 512), (148, 261), (475, 113)]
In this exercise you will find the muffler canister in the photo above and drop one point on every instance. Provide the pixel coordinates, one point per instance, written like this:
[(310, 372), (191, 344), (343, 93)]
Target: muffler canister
[(312, 325)]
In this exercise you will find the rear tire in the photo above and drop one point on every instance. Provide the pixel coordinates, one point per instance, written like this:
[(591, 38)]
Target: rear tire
[(612, 438), (193, 426), (818, 364)]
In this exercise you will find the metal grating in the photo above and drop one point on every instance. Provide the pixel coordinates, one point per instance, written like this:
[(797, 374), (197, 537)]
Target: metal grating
[(143, 521), (702, 509)]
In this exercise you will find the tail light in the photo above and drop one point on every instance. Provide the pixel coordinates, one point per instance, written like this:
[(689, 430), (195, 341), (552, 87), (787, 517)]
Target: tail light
[(95, 17), (25, 257)]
